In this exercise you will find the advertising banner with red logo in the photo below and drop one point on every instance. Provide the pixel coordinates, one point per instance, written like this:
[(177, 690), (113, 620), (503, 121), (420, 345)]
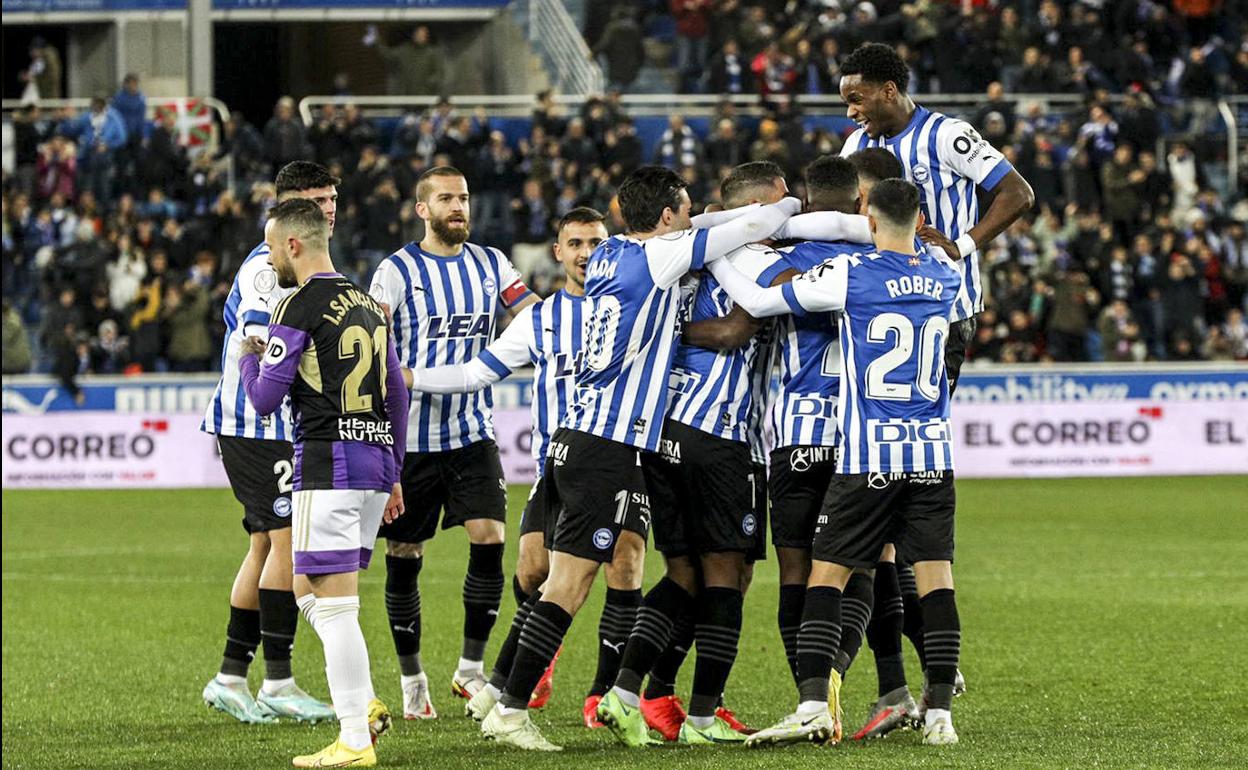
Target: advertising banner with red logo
[(1126, 438), (97, 450)]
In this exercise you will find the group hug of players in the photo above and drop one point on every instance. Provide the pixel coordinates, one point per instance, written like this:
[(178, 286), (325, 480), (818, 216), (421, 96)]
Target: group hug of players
[(345, 415)]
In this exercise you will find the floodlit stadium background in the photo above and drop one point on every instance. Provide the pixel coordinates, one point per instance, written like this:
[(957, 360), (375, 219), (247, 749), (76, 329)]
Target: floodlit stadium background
[(1113, 347)]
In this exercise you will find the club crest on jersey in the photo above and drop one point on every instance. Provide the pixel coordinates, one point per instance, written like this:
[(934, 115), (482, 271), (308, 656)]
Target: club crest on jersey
[(265, 281), (920, 174), (489, 285), (458, 325), (603, 538), (749, 524), (281, 507)]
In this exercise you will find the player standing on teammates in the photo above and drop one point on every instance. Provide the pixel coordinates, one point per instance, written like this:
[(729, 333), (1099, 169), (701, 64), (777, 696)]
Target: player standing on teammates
[(444, 294), (704, 489), (258, 456), (330, 348), (895, 465), (947, 160), (593, 466)]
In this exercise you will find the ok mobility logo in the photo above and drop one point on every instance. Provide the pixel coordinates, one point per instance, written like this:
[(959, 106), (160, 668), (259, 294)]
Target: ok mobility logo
[(1196, 385)]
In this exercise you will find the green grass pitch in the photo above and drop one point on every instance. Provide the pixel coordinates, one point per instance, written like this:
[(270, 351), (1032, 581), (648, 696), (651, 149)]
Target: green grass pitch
[(1104, 624)]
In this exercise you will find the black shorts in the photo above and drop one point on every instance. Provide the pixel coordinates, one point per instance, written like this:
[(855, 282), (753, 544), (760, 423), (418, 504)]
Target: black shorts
[(597, 487), (863, 511), (960, 335), (797, 485), (467, 483), (700, 486), (758, 488), (535, 517), (260, 473)]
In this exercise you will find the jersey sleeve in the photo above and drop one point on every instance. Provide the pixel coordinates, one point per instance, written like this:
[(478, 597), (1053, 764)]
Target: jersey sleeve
[(511, 284), (827, 226), (821, 288), (759, 263), (852, 144), (962, 149), (387, 286), (671, 256), (268, 380), (257, 289)]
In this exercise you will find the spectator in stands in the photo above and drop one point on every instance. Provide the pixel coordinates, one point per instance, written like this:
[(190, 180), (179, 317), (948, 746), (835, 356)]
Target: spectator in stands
[(379, 227), (1121, 182), (1236, 332), (243, 145), (692, 28), (774, 71), (679, 145), (1187, 179), (770, 146), (125, 273), (621, 46), (285, 138), (532, 215), (1198, 85), (415, 66), (99, 134), (576, 147), (43, 75), (1035, 76), (56, 169), (16, 342), (356, 132), (30, 131), (497, 177), (131, 104), (326, 136), (109, 350), (1181, 302), (1074, 304), (185, 313), (729, 71), (1120, 334), (723, 148), (622, 151)]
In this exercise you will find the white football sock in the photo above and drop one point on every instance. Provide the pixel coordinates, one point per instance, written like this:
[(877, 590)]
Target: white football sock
[(346, 666), (466, 666), (630, 699), (811, 707), (274, 686), (936, 714), (230, 679), (307, 606)]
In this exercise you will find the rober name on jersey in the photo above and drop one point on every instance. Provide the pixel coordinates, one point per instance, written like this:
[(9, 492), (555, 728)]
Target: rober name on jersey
[(914, 285)]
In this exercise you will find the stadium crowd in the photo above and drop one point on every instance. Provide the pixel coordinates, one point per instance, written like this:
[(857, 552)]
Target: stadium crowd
[(119, 246)]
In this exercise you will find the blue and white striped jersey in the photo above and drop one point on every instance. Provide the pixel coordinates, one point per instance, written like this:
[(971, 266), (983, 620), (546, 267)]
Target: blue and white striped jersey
[(893, 410), (711, 390), (945, 158), (444, 311), (547, 335), (804, 412), (252, 298), (760, 392), (631, 324)]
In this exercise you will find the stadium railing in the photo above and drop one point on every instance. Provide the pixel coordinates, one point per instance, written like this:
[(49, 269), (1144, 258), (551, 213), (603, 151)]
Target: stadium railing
[(553, 34)]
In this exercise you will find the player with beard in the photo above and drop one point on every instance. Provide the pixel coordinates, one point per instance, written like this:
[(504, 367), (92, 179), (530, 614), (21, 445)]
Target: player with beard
[(444, 294)]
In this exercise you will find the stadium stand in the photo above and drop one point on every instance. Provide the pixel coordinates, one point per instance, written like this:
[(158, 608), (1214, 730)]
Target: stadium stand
[(119, 246)]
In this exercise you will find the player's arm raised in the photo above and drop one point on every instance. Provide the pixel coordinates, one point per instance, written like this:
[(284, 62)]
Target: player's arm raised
[(820, 289), (971, 155), (735, 329), (671, 256), (513, 349)]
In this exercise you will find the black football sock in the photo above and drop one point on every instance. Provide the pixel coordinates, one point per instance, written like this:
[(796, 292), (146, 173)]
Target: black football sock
[(912, 616), (855, 614), (483, 593), (539, 640), (279, 617), (242, 637), (789, 618), (507, 653), (662, 679), (518, 591), (717, 633), (663, 604), (403, 609), (884, 630), (942, 643), (817, 642), (618, 615)]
